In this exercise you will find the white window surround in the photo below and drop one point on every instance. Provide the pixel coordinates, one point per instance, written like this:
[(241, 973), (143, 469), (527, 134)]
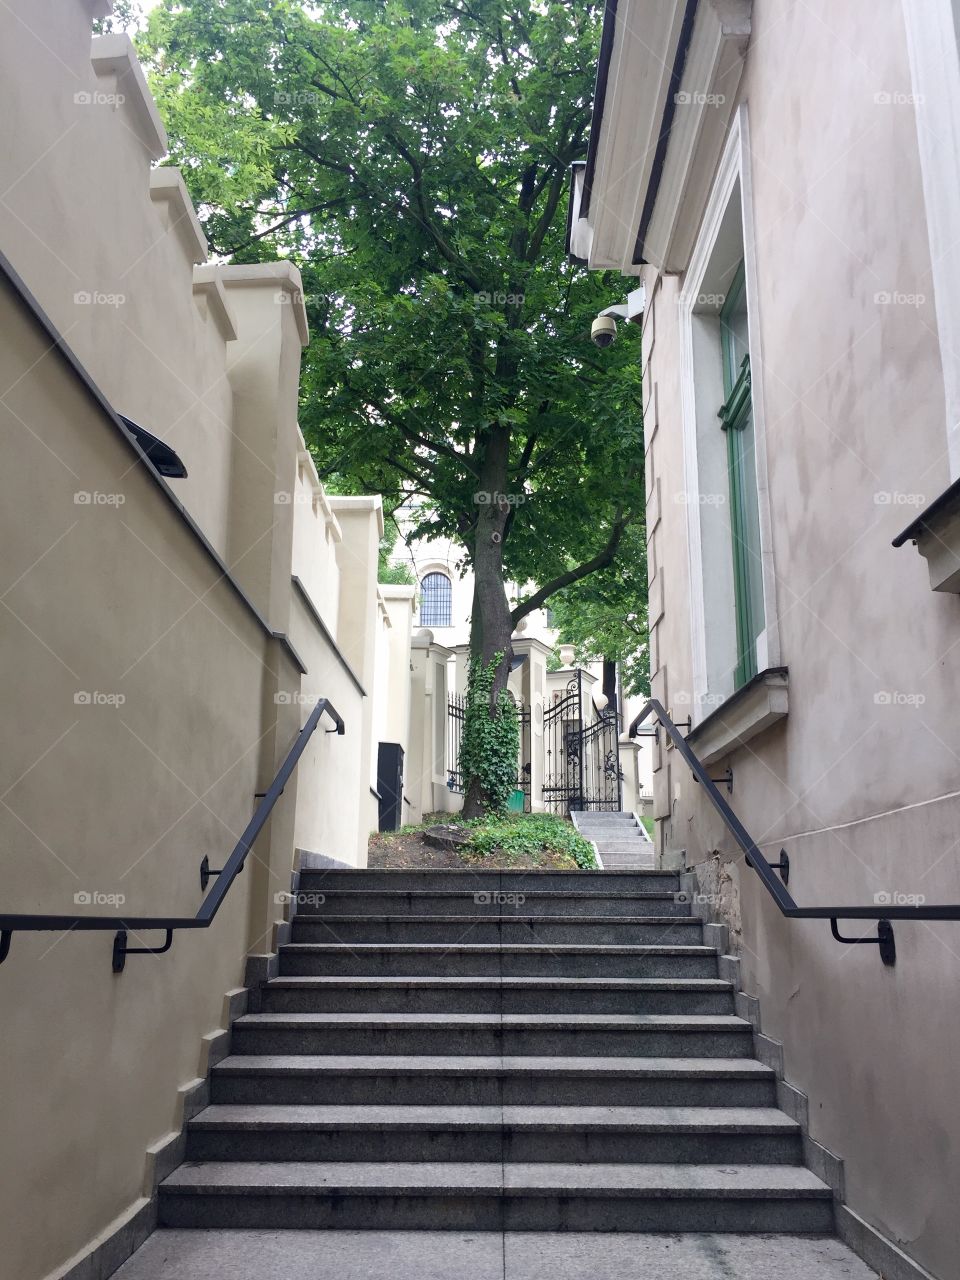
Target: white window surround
[(932, 48), (734, 171)]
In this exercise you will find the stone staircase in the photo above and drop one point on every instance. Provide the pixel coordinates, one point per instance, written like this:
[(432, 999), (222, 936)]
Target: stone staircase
[(457, 1051), (621, 841)]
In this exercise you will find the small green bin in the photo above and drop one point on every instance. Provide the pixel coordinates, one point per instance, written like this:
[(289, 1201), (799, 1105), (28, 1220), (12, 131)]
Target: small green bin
[(515, 803)]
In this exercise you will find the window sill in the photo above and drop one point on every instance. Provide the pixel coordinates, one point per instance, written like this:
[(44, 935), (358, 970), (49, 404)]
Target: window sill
[(745, 714), (936, 534)]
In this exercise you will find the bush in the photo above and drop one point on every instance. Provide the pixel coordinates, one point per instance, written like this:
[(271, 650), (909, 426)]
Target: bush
[(530, 833), (491, 742)]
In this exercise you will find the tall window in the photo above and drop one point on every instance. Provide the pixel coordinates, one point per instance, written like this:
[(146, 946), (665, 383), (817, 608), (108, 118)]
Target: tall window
[(736, 420), (435, 600)]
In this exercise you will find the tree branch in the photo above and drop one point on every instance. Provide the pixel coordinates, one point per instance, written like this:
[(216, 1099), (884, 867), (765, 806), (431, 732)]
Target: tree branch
[(599, 561)]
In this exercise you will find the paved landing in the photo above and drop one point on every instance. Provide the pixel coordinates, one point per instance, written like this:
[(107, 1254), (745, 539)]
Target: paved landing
[(452, 1255)]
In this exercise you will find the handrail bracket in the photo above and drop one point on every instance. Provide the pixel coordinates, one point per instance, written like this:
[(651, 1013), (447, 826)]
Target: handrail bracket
[(121, 950), (884, 940)]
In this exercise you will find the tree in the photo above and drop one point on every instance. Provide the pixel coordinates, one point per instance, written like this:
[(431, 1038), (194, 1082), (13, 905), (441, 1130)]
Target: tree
[(413, 160), (605, 618)]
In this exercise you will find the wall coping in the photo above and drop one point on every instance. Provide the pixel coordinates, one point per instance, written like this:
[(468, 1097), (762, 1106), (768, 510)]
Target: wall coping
[(115, 55), (282, 276), (397, 591), (365, 502), (207, 284), (167, 185)]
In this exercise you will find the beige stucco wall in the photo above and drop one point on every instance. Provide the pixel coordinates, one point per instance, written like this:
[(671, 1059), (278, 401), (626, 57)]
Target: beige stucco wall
[(361, 525), (853, 394), (77, 221), (103, 798), (146, 703)]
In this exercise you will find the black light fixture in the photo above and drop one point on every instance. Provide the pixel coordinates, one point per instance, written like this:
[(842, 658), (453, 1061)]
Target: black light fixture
[(161, 457)]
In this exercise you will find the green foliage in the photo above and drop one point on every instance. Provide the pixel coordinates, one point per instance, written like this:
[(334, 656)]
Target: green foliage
[(413, 160), (398, 573), (530, 833), (390, 570), (126, 15), (605, 615), (491, 736)]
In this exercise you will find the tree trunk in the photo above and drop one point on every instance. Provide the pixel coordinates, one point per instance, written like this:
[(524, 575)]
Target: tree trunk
[(609, 685), (490, 625)]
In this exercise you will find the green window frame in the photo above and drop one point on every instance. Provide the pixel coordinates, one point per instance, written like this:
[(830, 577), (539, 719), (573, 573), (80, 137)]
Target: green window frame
[(736, 421)]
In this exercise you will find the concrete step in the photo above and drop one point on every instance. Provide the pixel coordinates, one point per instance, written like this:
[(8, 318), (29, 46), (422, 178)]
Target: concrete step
[(524, 1034), (616, 862), (496, 1196), (490, 904), (493, 1080), (610, 830), (497, 995), (488, 1255), (545, 1134), (606, 822), (585, 930), (494, 881), (663, 960), (619, 844)]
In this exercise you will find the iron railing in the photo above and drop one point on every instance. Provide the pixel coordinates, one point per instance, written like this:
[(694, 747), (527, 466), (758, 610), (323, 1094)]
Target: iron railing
[(225, 876), (767, 871)]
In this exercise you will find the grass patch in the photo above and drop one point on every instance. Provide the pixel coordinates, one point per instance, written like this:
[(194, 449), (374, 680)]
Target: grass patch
[(649, 825), (529, 834), (527, 837)]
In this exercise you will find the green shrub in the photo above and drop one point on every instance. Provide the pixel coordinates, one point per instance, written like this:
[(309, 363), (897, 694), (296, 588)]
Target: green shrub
[(530, 833), (491, 743)]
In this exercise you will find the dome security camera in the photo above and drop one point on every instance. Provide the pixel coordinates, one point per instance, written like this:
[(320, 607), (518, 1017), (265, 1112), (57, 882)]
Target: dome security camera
[(603, 331)]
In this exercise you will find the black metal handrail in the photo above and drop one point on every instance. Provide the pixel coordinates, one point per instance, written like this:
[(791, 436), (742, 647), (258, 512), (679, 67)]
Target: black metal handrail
[(882, 913), (10, 924)]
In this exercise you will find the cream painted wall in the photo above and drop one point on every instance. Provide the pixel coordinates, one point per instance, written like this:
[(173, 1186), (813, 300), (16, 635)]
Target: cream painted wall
[(391, 697), (361, 524), (849, 369), (150, 704), (102, 798), (77, 221)]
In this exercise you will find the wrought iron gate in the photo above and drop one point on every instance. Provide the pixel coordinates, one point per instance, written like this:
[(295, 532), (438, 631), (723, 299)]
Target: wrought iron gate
[(456, 716), (581, 760)]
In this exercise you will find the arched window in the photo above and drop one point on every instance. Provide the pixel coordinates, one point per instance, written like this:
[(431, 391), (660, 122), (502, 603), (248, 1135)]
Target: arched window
[(435, 600)]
